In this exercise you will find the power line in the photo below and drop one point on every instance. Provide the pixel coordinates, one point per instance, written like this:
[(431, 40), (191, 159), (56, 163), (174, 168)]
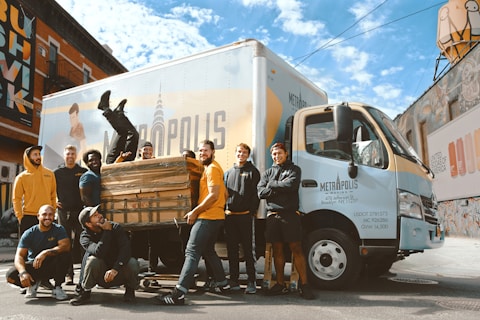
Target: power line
[(328, 45)]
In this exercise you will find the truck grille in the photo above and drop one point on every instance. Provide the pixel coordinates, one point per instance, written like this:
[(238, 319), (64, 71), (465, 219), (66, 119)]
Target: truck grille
[(430, 210)]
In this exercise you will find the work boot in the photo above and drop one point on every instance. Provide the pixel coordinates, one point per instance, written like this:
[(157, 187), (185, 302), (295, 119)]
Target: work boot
[(120, 106), (104, 103)]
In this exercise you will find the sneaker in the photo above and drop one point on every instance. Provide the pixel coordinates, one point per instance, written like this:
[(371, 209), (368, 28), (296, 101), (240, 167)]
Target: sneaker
[(251, 288), (69, 280), (23, 290), (306, 292), (32, 290), (234, 286), (176, 297), (129, 295), (277, 290), (218, 288), (59, 294), (82, 298)]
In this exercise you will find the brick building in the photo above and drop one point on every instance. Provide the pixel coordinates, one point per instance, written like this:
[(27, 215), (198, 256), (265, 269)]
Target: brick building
[(43, 50)]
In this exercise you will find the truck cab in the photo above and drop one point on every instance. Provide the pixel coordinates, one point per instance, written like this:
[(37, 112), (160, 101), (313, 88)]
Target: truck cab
[(366, 197)]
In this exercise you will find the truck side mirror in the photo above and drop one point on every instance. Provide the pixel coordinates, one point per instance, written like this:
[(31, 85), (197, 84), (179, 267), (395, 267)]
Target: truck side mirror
[(343, 121)]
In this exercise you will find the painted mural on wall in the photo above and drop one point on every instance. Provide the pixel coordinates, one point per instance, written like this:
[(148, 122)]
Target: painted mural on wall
[(17, 65), (456, 93)]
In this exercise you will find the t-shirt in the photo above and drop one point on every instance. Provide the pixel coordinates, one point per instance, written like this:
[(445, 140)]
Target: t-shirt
[(36, 241), (91, 179), (67, 186), (212, 176)]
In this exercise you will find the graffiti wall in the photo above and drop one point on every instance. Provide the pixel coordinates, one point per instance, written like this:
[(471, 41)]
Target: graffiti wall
[(448, 103)]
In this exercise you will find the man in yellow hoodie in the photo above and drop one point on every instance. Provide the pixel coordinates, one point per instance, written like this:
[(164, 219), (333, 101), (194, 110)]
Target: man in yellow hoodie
[(34, 187)]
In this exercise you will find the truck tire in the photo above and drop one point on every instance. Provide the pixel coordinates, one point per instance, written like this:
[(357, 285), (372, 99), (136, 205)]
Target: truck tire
[(172, 256), (333, 261)]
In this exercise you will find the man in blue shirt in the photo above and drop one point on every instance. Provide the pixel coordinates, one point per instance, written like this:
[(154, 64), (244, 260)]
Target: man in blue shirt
[(89, 183), (42, 254)]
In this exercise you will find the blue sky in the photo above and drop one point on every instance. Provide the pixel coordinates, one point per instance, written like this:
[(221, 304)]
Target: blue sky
[(381, 52)]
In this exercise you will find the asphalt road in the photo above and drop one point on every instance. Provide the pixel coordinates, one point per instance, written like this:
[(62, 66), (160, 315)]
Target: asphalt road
[(438, 284)]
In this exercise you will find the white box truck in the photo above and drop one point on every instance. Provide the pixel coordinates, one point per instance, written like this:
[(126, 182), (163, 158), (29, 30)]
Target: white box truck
[(366, 200)]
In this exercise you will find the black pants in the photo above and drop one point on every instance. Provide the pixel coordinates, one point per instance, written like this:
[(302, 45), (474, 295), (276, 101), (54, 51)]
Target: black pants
[(239, 230), (126, 138), (27, 222), (52, 267), (69, 220)]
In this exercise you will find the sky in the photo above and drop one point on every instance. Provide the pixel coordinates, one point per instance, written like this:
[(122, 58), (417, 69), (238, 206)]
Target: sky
[(380, 52)]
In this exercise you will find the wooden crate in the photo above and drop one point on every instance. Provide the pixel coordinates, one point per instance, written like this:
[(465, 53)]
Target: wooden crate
[(146, 194)]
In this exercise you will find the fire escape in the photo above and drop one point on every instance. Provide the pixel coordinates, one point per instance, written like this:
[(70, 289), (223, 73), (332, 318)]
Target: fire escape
[(61, 75)]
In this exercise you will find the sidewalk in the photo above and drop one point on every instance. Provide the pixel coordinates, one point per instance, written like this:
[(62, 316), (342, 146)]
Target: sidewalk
[(458, 258)]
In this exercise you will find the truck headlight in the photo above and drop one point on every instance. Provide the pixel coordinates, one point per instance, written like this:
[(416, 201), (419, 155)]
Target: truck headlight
[(409, 205)]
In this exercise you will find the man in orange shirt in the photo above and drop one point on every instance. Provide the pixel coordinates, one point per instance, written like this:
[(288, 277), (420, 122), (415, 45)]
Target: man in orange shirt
[(206, 220)]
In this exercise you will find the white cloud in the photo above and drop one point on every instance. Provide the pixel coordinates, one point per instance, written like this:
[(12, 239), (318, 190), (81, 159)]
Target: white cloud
[(390, 71), (387, 91), (372, 20), (290, 17), (138, 36), (354, 62)]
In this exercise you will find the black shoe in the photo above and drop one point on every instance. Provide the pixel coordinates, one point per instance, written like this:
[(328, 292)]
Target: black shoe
[(306, 292), (129, 295), (174, 298), (120, 106), (104, 103), (277, 290), (46, 284), (82, 298)]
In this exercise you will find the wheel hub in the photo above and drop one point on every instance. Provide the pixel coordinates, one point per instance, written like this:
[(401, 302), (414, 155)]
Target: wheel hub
[(327, 259)]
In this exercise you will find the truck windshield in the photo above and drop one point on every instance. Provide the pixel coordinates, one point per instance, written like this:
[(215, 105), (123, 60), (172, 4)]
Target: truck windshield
[(399, 144)]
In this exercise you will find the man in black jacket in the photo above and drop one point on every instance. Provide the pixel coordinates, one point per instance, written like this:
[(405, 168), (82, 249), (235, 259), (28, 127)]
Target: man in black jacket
[(70, 204), (107, 261), (279, 187)]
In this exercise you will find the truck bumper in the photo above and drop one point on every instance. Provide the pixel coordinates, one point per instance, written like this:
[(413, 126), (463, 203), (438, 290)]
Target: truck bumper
[(419, 235)]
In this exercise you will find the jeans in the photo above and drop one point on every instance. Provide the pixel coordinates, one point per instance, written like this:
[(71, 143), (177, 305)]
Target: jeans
[(203, 236), (239, 230)]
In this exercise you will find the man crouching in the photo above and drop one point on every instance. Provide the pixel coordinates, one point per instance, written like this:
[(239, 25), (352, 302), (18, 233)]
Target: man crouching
[(107, 261), (42, 254)]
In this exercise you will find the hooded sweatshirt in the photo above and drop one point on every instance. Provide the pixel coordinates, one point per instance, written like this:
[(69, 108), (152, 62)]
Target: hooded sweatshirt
[(33, 188)]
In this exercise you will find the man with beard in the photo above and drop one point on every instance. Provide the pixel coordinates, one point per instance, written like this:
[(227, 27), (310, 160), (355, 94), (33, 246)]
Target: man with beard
[(42, 254), (108, 261), (32, 188), (69, 202), (206, 220), (89, 183)]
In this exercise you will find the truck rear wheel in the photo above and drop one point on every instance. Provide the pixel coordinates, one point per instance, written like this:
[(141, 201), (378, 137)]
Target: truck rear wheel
[(172, 256), (332, 258)]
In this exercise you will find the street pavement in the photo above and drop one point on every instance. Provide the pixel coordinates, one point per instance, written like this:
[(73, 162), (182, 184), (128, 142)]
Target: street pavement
[(458, 258)]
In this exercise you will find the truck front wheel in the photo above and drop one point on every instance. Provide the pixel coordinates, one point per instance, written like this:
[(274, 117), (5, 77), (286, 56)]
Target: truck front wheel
[(332, 258)]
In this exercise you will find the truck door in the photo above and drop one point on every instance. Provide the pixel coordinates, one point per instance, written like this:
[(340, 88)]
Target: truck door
[(367, 200)]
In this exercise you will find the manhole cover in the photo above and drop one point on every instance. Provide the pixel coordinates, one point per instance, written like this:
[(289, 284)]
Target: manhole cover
[(414, 281), (471, 305)]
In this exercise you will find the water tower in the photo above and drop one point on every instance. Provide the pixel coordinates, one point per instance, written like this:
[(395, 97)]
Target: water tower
[(458, 28)]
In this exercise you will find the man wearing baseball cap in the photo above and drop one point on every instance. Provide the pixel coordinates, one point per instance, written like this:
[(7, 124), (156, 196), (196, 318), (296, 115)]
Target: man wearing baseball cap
[(34, 187), (107, 261)]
